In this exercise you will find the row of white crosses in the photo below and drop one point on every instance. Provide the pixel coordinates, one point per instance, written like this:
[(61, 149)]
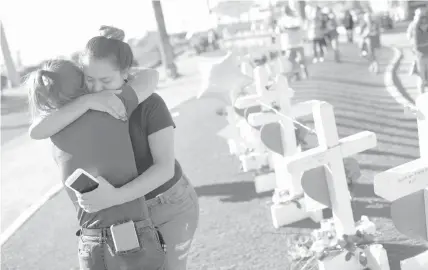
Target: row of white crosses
[(277, 134), (264, 94), (243, 131), (325, 161), (406, 186)]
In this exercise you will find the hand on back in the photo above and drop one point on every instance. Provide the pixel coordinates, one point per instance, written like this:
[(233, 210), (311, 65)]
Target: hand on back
[(107, 101)]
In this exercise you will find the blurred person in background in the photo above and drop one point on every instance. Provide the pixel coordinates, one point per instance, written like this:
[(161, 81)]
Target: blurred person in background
[(348, 24), (290, 30), (316, 31), (332, 35), (370, 34), (410, 36), (420, 41)]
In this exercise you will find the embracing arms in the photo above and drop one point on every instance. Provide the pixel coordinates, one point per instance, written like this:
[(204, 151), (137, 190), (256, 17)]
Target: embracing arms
[(162, 150), (159, 128), (143, 82)]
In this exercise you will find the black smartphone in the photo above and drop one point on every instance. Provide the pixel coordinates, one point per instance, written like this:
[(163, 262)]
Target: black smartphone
[(81, 181)]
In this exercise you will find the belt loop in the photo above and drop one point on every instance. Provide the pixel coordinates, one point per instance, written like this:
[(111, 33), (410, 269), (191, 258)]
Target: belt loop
[(104, 234)]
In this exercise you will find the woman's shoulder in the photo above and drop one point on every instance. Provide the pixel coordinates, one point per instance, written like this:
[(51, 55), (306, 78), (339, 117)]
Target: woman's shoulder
[(153, 103), (153, 99)]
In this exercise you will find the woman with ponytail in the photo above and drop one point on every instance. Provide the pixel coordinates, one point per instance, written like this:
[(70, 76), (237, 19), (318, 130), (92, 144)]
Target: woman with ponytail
[(159, 182)]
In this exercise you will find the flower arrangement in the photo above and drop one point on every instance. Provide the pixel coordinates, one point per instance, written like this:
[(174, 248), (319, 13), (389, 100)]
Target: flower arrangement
[(324, 243), (283, 196)]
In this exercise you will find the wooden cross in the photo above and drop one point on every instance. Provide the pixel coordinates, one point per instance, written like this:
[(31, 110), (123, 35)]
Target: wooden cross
[(262, 93), (410, 177), (279, 137), (330, 154), (407, 187)]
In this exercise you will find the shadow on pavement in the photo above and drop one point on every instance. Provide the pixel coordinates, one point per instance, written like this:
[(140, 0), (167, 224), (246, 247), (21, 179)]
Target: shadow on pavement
[(232, 192)]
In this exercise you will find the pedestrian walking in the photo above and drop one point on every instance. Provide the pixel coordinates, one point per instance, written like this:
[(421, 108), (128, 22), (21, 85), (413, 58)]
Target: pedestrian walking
[(348, 24), (370, 34), (291, 34), (420, 41), (316, 30), (332, 35)]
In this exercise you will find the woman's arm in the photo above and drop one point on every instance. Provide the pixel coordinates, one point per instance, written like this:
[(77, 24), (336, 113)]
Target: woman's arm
[(105, 101), (162, 149), (157, 122), (144, 82)]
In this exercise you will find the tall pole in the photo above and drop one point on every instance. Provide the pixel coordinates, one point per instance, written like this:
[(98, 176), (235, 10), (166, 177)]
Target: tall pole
[(208, 6), (166, 50), (8, 61), (302, 9)]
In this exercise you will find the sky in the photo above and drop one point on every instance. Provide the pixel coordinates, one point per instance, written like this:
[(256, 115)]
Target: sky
[(40, 29)]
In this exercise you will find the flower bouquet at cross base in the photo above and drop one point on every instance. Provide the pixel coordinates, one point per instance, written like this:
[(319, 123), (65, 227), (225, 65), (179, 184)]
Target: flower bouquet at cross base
[(324, 243)]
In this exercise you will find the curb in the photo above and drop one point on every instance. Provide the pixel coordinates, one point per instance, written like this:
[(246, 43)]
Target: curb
[(392, 82), (26, 215)]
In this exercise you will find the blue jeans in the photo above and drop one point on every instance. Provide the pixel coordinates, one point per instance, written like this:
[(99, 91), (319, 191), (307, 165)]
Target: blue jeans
[(98, 253), (176, 214)]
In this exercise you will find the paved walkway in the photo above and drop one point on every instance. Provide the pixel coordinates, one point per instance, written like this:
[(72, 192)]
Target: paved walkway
[(235, 230)]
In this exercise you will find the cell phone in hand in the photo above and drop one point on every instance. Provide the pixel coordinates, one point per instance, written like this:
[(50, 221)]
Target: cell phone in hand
[(81, 181)]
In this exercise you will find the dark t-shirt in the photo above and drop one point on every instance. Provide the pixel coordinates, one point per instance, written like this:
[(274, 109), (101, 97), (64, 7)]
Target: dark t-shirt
[(101, 145), (150, 116)]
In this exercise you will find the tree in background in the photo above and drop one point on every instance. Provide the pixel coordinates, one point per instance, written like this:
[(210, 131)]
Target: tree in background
[(167, 53), (12, 75)]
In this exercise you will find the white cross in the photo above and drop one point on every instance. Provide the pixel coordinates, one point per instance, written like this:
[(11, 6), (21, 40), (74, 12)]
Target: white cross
[(288, 139), (331, 152), (410, 177), (261, 81), (407, 179), (284, 180)]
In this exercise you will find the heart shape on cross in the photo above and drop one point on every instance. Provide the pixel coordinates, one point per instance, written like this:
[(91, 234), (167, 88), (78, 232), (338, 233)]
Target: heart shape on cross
[(314, 183), (270, 134), (409, 215)]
